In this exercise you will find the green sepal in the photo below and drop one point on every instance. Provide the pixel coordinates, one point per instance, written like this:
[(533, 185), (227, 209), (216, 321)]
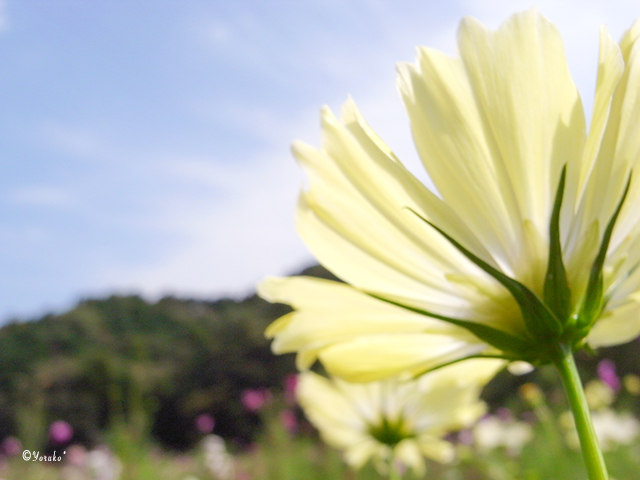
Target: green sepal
[(458, 360), (557, 295), (504, 341), (541, 323), (593, 299), (497, 338)]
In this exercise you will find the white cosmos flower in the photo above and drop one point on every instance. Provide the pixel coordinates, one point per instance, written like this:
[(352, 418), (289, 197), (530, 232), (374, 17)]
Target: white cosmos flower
[(532, 239), (612, 428), (392, 421), (493, 432)]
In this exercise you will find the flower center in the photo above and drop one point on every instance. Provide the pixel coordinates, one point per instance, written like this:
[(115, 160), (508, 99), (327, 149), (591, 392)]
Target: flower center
[(390, 432)]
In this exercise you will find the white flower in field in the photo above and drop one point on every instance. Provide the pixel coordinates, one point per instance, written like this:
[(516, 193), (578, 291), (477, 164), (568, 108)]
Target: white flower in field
[(493, 432), (393, 421), (218, 460), (531, 243), (103, 464), (612, 428), (599, 395)]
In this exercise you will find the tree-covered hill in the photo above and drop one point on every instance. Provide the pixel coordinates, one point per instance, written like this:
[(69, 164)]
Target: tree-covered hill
[(156, 366)]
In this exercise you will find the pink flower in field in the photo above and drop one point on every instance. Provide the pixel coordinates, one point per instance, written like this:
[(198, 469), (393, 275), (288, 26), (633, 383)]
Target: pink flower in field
[(205, 423), (60, 432), (465, 436), (11, 446), (76, 456), (607, 373), (504, 414), (254, 399), (290, 384), (289, 420)]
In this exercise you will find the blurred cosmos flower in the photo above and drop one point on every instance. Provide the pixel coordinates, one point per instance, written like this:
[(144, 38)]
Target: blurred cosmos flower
[(11, 446), (103, 464), (607, 373), (396, 422), (289, 420), (60, 432), (531, 240), (290, 385), (205, 423), (612, 428), (255, 398), (97, 464), (219, 461), (76, 456), (495, 432)]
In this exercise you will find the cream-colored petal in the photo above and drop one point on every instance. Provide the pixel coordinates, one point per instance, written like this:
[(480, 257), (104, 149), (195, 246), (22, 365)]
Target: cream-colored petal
[(451, 394), (409, 454), (619, 151), (629, 39), (610, 69), (330, 410), (500, 123), (530, 107), (358, 454), (368, 253), (622, 275), (305, 358), (580, 225), (436, 449), (368, 358), (355, 217), (385, 183), (369, 265), (448, 131), (407, 263), (329, 312), (626, 107), (618, 155), (470, 374), (618, 326)]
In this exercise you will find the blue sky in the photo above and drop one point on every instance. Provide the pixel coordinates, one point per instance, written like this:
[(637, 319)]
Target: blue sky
[(144, 144)]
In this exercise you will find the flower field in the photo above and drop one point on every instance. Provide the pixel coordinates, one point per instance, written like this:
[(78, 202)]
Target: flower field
[(529, 437)]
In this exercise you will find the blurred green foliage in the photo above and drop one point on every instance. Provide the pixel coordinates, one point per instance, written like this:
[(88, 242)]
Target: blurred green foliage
[(151, 366)]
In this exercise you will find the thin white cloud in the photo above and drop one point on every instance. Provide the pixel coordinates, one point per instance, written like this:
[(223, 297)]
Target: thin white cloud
[(218, 34), (69, 139), (40, 196), (227, 245)]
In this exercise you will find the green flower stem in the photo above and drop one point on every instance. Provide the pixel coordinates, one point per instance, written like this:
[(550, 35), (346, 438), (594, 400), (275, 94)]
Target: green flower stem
[(591, 452)]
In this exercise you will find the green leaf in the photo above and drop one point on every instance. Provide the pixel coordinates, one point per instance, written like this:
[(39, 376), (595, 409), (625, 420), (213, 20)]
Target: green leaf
[(557, 295), (593, 300), (458, 360), (541, 323), (502, 340)]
